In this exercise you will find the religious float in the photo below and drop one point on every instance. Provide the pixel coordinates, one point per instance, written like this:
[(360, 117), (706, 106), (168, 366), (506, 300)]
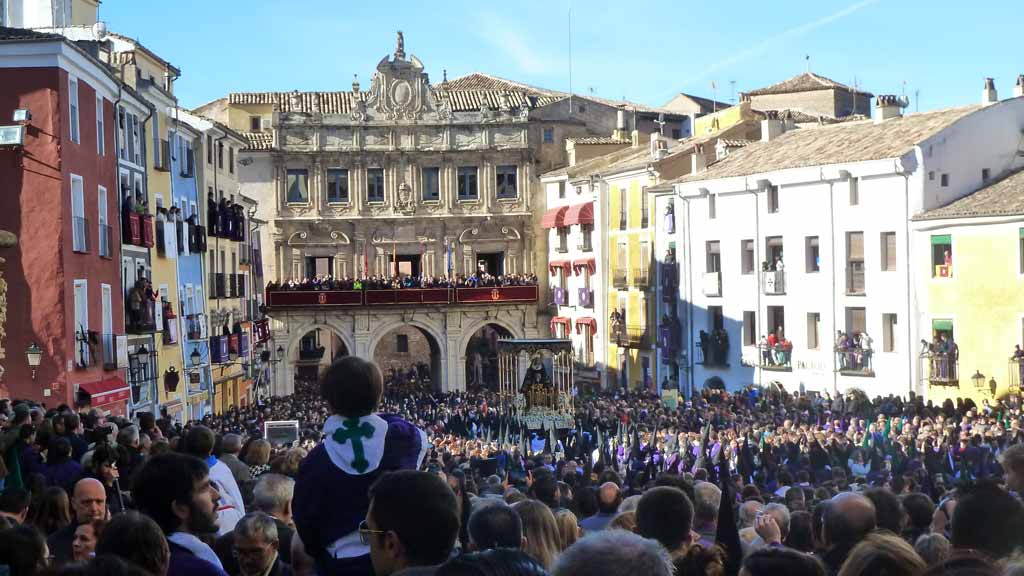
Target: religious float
[(536, 382)]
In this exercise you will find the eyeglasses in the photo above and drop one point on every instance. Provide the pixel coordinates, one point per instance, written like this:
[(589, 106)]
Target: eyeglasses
[(364, 533)]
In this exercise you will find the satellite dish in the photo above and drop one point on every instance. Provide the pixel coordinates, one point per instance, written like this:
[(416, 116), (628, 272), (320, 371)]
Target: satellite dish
[(99, 31)]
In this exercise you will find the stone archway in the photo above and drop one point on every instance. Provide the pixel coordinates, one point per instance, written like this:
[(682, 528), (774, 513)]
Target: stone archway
[(480, 355), (292, 360), (401, 349)]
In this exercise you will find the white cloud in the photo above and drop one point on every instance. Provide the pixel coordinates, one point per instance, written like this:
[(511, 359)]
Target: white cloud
[(515, 41), (768, 43)]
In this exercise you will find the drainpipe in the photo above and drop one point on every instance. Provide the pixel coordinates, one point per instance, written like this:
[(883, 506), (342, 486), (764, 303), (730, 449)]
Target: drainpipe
[(757, 269), (832, 264), (689, 304), (910, 313)]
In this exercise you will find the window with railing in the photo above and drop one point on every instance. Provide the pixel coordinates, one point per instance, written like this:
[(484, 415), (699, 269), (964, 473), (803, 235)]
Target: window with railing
[(106, 237), (80, 231)]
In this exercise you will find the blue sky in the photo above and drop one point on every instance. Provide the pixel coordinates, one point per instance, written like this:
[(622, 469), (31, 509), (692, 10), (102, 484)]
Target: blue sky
[(642, 50)]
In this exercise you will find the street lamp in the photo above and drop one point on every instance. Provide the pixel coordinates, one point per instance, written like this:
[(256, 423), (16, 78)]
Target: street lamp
[(992, 386), (142, 355), (195, 357), (979, 380), (279, 353), (35, 355)]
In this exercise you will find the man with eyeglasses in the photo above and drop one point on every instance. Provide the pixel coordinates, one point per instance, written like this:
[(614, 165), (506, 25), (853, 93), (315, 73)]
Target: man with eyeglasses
[(411, 525), (256, 547)]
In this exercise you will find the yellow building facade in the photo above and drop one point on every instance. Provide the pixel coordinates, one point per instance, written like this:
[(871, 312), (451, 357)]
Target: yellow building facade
[(970, 288), (631, 326)]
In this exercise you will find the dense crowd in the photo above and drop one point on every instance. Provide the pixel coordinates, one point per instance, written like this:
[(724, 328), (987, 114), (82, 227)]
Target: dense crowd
[(390, 479), (475, 280)]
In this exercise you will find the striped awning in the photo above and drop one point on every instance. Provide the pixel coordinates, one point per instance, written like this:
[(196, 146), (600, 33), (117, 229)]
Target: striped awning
[(554, 217), (586, 321), (580, 214)]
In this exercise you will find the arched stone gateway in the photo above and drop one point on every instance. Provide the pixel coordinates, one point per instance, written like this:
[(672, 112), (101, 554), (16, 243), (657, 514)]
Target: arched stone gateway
[(365, 331), (481, 356)]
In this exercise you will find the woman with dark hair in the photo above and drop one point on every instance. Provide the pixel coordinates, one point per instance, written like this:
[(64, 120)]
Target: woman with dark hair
[(136, 538), (457, 482), (23, 549), (51, 512), (801, 532), (773, 561), (499, 562), (103, 467)]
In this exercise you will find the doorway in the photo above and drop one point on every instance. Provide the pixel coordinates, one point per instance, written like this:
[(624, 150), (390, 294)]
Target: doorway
[(492, 263)]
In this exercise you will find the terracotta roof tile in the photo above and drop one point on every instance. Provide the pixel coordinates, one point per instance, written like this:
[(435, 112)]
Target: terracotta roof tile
[(1004, 197), (806, 82), (833, 144), (16, 34), (259, 140), (598, 140)]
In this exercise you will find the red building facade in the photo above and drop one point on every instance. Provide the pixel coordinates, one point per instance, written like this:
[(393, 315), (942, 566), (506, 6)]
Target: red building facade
[(60, 198)]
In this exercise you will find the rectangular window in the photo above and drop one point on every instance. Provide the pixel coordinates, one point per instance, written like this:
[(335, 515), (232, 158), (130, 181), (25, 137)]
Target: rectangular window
[(944, 180), (747, 256), (254, 123), (1020, 244), (714, 257), (854, 262), (549, 135), (586, 233), (122, 134), (81, 322), (337, 185), (298, 186), (561, 189), (80, 235), (942, 256), (773, 252), (985, 174), (644, 208), (374, 184), (749, 328), (888, 332), (716, 317), (101, 146), (220, 155), (645, 257), (402, 343), (856, 321), (711, 207), (563, 239), (812, 255), (136, 139), (231, 159), (854, 184), (888, 244), (467, 183), (104, 230), (813, 330), (773, 199), (73, 109), (623, 257), (507, 177), (623, 208), (431, 177), (209, 149)]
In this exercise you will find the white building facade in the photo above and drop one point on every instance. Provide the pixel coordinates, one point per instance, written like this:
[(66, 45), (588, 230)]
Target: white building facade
[(805, 235), (575, 271)]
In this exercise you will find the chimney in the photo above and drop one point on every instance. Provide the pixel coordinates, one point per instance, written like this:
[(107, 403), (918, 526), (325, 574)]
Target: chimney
[(698, 161), (988, 93), (772, 127), (1018, 89), (620, 119), (634, 137), (658, 145), (887, 106)]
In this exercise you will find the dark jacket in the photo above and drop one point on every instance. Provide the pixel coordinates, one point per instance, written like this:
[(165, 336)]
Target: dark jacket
[(185, 563), (224, 547), (238, 469), (59, 544)]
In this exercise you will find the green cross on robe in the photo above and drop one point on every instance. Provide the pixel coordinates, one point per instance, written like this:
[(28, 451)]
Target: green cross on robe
[(355, 432)]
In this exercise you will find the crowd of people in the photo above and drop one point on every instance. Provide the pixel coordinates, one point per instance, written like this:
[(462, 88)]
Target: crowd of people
[(383, 480), (475, 280)]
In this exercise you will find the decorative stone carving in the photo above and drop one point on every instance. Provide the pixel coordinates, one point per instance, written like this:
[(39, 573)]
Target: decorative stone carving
[(358, 112), (376, 139), (298, 140), (430, 140), (509, 138), (338, 140), (295, 101), (487, 113), (405, 204), (465, 139)]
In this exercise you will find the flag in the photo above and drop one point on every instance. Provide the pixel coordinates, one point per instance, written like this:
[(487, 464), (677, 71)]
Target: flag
[(713, 85)]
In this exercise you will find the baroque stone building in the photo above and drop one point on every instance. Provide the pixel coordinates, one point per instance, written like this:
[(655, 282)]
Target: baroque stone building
[(413, 178)]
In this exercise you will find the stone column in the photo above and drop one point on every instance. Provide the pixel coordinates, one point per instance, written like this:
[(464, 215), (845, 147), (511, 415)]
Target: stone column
[(454, 377)]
